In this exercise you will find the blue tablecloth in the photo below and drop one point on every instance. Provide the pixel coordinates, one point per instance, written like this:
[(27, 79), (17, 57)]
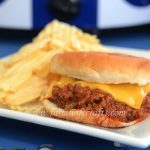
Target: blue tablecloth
[(20, 134)]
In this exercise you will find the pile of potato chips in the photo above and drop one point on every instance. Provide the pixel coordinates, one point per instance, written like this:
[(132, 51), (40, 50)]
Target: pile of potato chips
[(25, 75)]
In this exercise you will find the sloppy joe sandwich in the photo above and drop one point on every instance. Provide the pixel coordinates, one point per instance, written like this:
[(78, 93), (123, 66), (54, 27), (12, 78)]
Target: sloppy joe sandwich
[(97, 88)]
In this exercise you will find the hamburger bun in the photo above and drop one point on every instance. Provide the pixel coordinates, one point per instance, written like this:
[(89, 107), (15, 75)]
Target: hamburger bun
[(101, 67), (85, 117)]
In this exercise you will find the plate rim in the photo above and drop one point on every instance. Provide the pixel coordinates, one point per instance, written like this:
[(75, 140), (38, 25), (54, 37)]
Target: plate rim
[(101, 132)]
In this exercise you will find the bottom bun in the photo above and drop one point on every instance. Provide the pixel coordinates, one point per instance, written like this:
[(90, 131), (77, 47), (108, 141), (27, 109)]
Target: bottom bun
[(85, 117)]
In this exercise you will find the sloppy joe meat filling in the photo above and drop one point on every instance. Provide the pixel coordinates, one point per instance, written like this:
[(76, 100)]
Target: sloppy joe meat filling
[(83, 97)]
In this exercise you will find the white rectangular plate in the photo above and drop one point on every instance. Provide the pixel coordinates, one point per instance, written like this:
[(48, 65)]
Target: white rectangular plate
[(137, 135)]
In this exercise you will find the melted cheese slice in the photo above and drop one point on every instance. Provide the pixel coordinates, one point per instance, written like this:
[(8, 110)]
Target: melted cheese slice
[(130, 94)]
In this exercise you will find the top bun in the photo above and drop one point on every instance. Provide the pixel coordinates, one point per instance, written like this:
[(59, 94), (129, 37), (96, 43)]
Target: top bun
[(100, 67)]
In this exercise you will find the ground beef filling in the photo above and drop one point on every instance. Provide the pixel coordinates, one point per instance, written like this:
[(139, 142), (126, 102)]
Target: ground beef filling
[(95, 100)]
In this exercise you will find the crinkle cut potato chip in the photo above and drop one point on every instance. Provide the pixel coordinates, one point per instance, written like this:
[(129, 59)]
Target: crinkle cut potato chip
[(33, 107), (27, 93), (23, 70), (65, 32), (72, 37), (25, 75)]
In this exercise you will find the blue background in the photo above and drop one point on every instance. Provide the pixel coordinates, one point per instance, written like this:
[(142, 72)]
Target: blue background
[(1, 1), (86, 17), (20, 134), (140, 3)]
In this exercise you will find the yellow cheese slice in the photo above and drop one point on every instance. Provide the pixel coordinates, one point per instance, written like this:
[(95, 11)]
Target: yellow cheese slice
[(130, 94)]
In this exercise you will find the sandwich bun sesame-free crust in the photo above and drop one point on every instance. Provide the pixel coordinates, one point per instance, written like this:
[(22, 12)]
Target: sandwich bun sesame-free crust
[(101, 67), (85, 117)]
